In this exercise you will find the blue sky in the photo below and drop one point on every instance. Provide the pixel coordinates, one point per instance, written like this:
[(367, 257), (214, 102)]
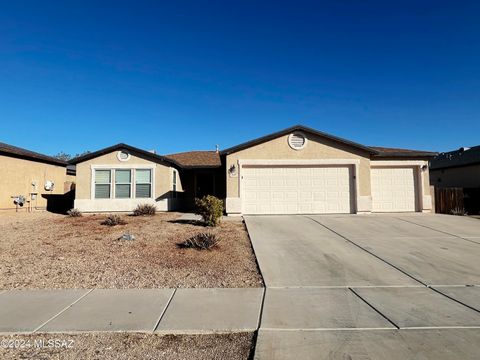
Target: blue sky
[(186, 75)]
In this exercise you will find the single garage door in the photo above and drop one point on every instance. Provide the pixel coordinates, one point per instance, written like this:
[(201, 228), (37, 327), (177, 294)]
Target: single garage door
[(394, 189), (296, 189)]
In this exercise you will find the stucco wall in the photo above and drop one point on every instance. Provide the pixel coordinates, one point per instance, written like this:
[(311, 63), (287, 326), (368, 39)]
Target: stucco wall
[(317, 148), (465, 177), (426, 182), (163, 184), (17, 175)]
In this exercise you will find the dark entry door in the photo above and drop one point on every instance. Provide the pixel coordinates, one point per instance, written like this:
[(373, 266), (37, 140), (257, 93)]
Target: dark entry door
[(205, 185)]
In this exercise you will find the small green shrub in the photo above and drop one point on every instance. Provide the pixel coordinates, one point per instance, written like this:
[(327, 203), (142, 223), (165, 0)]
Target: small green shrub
[(113, 219), (202, 241), (74, 213), (145, 210), (210, 209)]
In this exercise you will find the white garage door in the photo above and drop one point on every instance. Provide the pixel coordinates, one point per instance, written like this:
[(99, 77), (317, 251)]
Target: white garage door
[(296, 190), (394, 189)]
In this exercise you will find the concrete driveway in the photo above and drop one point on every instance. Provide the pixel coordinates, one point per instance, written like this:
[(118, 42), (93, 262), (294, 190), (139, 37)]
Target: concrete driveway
[(368, 287)]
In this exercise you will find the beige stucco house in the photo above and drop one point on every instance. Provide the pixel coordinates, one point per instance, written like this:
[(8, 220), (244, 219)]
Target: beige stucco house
[(32, 181), (294, 171)]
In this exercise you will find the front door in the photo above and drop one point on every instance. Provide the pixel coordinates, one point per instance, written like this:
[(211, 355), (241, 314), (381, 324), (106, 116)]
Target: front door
[(204, 185)]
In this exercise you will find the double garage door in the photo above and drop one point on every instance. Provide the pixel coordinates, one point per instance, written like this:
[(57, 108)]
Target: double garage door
[(297, 189), (323, 189)]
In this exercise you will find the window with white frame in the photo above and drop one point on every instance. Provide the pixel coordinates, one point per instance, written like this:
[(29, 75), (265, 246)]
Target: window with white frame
[(123, 183), (174, 184), (103, 182), (143, 183)]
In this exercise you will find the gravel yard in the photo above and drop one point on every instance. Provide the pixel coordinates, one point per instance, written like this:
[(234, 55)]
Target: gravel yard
[(129, 346), (44, 250)]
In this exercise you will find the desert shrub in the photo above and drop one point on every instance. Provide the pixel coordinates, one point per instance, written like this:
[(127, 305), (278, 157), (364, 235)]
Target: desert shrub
[(74, 213), (113, 219), (144, 210), (210, 209), (459, 211), (201, 241)]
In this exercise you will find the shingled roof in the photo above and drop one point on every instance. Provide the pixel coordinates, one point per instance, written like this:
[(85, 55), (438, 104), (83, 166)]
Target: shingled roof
[(197, 159), (17, 152), (395, 152)]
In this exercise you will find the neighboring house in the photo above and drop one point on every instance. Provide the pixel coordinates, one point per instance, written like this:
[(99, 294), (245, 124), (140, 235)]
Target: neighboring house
[(459, 168), (294, 171), (456, 178), (37, 179)]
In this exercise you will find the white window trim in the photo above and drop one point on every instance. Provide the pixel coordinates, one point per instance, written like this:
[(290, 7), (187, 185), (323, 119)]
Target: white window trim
[(354, 163), (132, 175), (94, 185), (112, 179), (174, 185), (152, 195)]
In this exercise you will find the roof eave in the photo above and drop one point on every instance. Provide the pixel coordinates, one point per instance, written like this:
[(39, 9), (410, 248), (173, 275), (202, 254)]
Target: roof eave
[(132, 149), (51, 161), (426, 156), (277, 134)]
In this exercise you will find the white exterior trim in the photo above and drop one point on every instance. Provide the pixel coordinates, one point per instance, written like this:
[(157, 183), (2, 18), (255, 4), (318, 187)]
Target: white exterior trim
[(112, 179), (287, 162), (397, 163), (235, 205), (121, 205), (424, 202)]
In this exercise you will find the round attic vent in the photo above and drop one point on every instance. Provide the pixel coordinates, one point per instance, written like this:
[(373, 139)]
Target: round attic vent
[(123, 155), (297, 140)]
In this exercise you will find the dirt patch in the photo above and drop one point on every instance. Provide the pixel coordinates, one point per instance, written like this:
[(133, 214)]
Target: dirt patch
[(129, 346), (44, 250)]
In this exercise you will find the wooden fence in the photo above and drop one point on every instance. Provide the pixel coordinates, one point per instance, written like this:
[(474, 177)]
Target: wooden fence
[(448, 200)]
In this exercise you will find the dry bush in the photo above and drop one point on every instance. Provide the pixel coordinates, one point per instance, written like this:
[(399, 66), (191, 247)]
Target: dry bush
[(145, 210), (202, 241), (74, 213), (113, 219)]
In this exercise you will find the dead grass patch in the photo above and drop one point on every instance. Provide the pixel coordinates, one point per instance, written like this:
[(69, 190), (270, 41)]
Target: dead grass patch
[(88, 346), (43, 250)]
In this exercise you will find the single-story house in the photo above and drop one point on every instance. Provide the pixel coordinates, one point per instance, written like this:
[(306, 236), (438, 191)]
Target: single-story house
[(456, 177), (298, 170), (30, 180), (459, 168)]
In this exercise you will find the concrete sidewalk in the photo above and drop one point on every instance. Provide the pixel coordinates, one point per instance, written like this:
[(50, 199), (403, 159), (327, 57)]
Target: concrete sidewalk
[(130, 310)]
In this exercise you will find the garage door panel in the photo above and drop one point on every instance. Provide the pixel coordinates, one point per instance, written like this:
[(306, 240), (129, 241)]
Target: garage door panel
[(297, 190), (394, 189)]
